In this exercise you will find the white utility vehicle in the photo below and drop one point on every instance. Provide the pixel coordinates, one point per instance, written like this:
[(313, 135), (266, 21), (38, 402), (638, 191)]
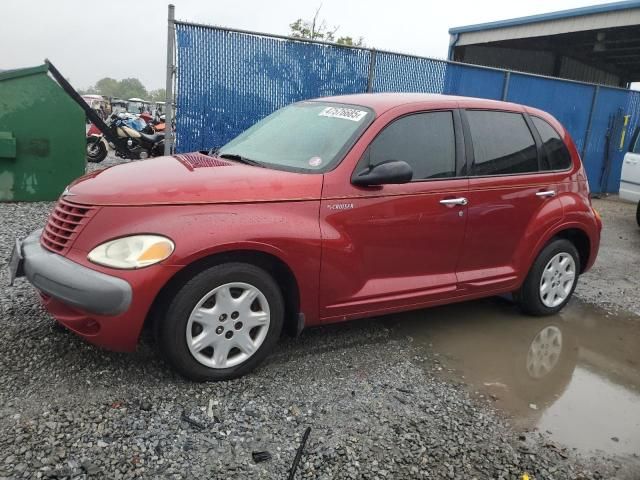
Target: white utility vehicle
[(630, 178)]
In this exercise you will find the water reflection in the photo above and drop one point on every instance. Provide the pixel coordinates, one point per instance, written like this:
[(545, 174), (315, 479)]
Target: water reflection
[(575, 375)]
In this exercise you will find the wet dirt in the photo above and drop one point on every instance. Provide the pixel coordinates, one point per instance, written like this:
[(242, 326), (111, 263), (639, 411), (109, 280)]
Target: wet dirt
[(574, 376)]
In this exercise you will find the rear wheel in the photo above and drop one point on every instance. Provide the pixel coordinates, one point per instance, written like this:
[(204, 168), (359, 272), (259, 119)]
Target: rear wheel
[(551, 280), (96, 150), (222, 323)]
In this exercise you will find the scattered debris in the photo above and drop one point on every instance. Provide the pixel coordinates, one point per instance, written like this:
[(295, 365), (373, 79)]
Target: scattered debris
[(557, 449), (261, 456), (298, 456), (405, 390), (193, 422), (533, 406), (495, 384)]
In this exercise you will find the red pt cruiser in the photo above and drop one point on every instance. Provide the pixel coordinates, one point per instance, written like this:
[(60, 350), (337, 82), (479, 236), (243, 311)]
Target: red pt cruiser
[(327, 210)]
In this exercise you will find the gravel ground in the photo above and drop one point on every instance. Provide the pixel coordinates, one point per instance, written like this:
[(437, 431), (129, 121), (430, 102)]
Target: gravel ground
[(614, 280), (377, 409)]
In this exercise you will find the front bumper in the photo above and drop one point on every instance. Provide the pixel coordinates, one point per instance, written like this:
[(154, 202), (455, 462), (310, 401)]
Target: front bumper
[(71, 283)]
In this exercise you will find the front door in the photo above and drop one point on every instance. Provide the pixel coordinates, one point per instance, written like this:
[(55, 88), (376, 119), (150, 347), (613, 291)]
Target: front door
[(396, 247)]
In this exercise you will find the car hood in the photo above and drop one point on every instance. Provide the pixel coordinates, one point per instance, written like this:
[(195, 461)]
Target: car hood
[(191, 178)]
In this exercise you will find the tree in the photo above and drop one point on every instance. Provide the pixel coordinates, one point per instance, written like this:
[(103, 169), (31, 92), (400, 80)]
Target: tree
[(125, 88), (350, 42), (132, 87), (90, 90), (158, 95), (317, 29), (109, 87)]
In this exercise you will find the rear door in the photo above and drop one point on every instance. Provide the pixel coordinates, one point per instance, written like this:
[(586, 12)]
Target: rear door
[(507, 190), (630, 178)]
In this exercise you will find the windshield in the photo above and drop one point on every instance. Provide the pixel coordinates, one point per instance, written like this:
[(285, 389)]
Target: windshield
[(307, 136)]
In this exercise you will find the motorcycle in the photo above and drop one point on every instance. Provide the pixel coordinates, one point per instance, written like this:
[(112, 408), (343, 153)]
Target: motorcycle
[(154, 123), (139, 144)]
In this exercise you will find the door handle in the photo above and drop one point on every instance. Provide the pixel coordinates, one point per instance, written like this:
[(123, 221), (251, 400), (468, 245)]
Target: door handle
[(454, 201), (546, 193)]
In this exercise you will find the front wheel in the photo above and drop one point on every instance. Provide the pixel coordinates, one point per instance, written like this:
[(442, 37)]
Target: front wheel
[(96, 150), (222, 323), (551, 280)]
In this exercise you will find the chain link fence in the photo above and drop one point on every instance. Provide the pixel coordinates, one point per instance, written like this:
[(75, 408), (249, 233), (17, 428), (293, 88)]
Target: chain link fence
[(226, 80)]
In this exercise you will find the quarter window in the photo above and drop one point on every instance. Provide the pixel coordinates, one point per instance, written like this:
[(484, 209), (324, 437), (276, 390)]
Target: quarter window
[(502, 143), (426, 141), (555, 151)]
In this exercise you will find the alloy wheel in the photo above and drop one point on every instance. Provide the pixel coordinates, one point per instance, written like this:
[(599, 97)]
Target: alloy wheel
[(228, 325), (557, 280)]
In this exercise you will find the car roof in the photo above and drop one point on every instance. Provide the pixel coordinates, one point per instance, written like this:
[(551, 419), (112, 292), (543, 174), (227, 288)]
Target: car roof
[(381, 102)]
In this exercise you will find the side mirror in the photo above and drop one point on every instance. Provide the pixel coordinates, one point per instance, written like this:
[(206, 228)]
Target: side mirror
[(392, 171)]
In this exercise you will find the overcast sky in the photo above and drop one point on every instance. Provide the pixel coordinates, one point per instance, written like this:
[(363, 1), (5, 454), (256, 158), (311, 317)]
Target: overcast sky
[(90, 39)]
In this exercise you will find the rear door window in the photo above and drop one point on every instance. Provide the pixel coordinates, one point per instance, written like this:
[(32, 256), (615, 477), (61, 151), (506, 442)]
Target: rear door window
[(502, 143), (556, 154), (426, 141)]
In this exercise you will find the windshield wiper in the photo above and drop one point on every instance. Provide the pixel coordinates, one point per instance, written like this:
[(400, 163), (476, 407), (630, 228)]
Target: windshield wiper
[(239, 158)]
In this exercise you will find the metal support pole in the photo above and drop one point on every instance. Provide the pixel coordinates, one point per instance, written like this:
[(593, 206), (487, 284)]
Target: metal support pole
[(168, 140), (587, 134), (372, 67), (505, 87)]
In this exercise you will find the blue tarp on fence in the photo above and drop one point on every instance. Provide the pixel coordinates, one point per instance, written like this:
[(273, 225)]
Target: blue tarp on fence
[(228, 80)]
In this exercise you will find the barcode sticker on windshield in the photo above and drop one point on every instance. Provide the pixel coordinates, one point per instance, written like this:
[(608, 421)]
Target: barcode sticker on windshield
[(345, 113)]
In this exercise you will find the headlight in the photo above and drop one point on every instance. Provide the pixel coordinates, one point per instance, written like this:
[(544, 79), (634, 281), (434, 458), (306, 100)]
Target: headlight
[(136, 251)]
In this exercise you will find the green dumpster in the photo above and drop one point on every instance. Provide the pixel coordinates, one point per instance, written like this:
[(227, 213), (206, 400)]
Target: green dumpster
[(42, 136)]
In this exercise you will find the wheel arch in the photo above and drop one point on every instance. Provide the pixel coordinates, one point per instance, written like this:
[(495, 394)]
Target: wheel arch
[(576, 235), (272, 264), (580, 240)]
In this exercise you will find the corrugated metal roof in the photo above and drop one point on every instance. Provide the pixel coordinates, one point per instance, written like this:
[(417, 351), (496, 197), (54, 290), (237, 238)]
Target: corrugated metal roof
[(598, 21), (544, 17)]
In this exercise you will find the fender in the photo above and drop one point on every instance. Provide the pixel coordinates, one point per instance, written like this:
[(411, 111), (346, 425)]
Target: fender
[(547, 218), (288, 231), (555, 230)]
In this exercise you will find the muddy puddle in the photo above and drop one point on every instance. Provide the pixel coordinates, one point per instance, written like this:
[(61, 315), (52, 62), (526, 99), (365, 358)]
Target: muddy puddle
[(575, 376)]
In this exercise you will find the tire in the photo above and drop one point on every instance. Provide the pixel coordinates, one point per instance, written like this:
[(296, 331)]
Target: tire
[(96, 150), (638, 214), (531, 298), (210, 306)]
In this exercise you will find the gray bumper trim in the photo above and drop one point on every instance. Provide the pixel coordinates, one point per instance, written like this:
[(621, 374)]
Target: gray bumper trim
[(72, 283)]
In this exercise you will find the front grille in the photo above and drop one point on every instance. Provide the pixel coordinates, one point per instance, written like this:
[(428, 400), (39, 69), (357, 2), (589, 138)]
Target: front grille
[(65, 223)]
